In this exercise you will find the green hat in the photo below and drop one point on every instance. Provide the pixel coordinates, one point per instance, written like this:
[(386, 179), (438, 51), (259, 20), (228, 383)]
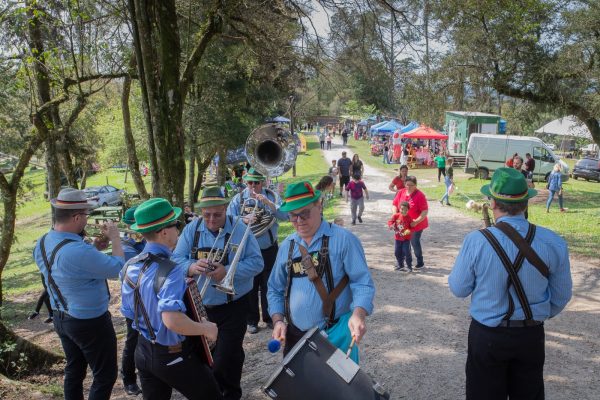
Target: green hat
[(298, 195), (128, 216), (508, 185), (253, 176), (154, 214), (212, 196)]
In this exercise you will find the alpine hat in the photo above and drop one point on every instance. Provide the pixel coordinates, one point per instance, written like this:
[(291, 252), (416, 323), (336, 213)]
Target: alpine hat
[(508, 185), (71, 199), (154, 214), (298, 195), (253, 176), (212, 196)]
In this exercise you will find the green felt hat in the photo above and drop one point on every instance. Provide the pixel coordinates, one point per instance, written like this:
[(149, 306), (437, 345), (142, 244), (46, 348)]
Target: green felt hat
[(154, 214), (253, 176), (212, 196), (298, 195), (128, 216), (508, 185)]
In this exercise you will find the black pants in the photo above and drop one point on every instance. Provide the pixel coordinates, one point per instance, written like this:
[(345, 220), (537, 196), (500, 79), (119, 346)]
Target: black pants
[(88, 342), (505, 362), (229, 353), (322, 142), (441, 171), (344, 180), (162, 369), (128, 359), (44, 299), (260, 283)]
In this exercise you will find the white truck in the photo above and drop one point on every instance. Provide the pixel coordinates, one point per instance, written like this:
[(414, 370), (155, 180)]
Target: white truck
[(486, 153)]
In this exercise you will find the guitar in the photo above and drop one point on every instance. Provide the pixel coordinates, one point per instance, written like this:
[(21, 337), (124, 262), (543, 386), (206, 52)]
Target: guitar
[(197, 312)]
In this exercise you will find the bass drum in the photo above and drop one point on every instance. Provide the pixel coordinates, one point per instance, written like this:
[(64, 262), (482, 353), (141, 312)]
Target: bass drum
[(316, 369)]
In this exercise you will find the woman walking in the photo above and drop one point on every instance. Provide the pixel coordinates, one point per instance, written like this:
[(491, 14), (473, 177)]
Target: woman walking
[(448, 180), (555, 187), (357, 167)]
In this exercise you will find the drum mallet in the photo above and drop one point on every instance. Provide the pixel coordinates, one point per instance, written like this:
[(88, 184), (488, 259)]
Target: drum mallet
[(350, 347), (274, 345)]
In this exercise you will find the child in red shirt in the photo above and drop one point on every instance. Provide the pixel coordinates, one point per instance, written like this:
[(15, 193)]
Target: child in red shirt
[(400, 223)]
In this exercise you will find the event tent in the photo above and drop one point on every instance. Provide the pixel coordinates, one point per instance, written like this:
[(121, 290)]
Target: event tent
[(566, 126), (374, 126), (412, 125), (279, 118), (424, 132), (364, 122), (388, 127)]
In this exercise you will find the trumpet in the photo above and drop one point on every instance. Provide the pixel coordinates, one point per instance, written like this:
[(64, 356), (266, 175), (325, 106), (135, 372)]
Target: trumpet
[(211, 259), (132, 234), (485, 211)]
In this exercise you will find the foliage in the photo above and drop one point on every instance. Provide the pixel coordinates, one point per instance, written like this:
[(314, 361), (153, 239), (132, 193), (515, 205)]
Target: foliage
[(11, 361)]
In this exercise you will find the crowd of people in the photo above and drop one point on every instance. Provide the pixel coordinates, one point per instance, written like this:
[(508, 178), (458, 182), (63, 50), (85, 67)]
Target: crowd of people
[(317, 277)]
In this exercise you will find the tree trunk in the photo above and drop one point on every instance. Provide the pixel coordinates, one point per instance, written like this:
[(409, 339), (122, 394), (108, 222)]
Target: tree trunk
[(202, 166), (134, 164), (67, 163), (36, 358), (9, 202), (191, 172)]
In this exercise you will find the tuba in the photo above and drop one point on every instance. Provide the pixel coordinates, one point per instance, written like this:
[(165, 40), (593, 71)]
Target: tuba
[(272, 149), (264, 217)]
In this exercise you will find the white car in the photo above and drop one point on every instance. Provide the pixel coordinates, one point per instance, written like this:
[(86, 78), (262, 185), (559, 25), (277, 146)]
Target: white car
[(102, 196)]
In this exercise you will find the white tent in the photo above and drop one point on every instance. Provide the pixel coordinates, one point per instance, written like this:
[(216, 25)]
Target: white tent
[(566, 126)]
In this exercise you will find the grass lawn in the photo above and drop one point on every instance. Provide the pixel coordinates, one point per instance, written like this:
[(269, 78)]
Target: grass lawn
[(580, 226), (21, 275)]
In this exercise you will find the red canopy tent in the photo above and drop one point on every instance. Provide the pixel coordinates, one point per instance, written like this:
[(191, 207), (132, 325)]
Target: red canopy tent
[(424, 132)]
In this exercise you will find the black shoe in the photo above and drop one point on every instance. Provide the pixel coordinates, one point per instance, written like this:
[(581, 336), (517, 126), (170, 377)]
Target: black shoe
[(419, 267), (33, 315), (360, 220), (48, 320), (252, 329), (132, 389), (353, 222), (448, 204)]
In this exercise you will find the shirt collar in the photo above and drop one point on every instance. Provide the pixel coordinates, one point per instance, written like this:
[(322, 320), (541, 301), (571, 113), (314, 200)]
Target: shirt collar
[(325, 229), (157, 249), (67, 235), (517, 221)]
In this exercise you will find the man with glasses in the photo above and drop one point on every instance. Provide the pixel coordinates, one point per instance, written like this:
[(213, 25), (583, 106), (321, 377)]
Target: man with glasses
[(268, 206), (165, 359), (320, 277), (75, 274), (213, 230)]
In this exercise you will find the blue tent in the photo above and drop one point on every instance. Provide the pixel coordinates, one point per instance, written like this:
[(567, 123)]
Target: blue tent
[(412, 125), (279, 118), (377, 125), (372, 118), (364, 122), (388, 127)]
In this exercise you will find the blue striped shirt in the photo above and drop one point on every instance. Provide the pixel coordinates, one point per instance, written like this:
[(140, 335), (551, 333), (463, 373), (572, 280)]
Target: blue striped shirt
[(347, 257), (169, 297), (250, 264), (268, 238), (479, 272), (80, 272), (555, 181)]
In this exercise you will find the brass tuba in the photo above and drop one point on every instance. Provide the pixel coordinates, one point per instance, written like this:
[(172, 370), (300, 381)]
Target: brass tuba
[(272, 149)]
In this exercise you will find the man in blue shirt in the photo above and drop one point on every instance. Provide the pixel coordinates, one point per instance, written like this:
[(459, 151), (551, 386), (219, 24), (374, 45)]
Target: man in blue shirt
[(131, 247), (344, 164), (75, 274), (229, 311), (268, 209), (506, 335), (336, 259), (153, 292)]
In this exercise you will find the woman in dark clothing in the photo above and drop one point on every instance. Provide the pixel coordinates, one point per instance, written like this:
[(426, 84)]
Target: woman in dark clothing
[(357, 167)]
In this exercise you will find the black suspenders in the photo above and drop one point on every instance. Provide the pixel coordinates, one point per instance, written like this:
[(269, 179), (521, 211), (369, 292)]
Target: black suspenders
[(138, 304), (512, 269), (51, 284)]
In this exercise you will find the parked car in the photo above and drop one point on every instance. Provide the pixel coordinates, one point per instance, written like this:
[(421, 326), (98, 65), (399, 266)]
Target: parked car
[(106, 195), (588, 169)]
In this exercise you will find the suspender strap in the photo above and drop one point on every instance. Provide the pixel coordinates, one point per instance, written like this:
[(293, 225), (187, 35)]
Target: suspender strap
[(195, 244), (137, 297), (518, 263), (512, 270), (525, 247), (165, 266), (51, 283), (288, 287)]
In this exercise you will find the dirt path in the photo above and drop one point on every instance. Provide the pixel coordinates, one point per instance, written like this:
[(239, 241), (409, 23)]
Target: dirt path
[(416, 340)]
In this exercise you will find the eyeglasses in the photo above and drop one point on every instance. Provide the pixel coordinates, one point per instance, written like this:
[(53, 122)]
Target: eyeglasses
[(251, 183), (212, 215), (176, 224), (303, 215)]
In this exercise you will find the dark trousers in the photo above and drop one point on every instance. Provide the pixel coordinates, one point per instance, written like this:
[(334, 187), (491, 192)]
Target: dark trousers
[(415, 242), (44, 299), (163, 369), (128, 359), (322, 142), (505, 362), (88, 342), (229, 353), (328, 145), (402, 253), (260, 284), (344, 180), (441, 171)]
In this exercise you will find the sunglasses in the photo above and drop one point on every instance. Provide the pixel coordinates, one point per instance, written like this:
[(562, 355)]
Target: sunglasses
[(176, 224), (303, 215), (212, 215), (252, 183)]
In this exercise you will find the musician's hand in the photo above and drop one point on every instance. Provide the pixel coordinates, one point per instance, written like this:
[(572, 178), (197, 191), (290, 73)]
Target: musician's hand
[(356, 324), (219, 272), (100, 243), (111, 231), (200, 267), (279, 330), (210, 330), (249, 219)]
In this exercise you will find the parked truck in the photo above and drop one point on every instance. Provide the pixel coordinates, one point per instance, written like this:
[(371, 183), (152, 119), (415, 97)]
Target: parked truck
[(486, 153)]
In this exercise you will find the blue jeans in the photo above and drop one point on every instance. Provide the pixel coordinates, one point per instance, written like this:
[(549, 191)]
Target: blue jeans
[(415, 242), (385, 158), (402, 252), (551, 197), (446, 196)]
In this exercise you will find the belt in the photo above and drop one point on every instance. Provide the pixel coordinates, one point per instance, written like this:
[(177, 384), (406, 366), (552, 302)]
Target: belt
[(519, 323), (174, 348)]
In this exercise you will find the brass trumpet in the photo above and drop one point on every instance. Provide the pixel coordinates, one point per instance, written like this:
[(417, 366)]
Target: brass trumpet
[(132, 234)]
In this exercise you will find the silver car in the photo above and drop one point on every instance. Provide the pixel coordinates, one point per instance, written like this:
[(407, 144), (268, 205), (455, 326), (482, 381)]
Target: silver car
[(106, 195)]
